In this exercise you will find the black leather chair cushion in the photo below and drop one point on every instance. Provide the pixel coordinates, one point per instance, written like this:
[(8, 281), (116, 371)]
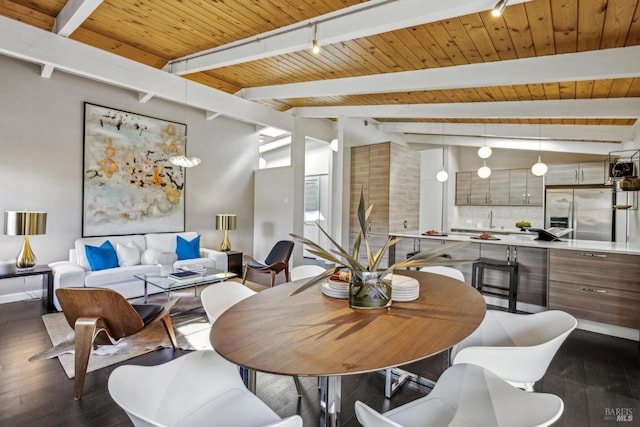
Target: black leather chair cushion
[(147, 311)]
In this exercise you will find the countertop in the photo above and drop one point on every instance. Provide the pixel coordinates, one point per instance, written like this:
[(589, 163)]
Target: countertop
[(495, 230), (528, 240)]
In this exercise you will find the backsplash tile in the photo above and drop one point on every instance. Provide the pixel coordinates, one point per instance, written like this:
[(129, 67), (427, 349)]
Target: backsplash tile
[(504, 217)]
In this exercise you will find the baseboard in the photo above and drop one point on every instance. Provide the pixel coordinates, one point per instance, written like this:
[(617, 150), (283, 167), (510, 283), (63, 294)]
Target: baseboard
[(36, 294), (606, 329)]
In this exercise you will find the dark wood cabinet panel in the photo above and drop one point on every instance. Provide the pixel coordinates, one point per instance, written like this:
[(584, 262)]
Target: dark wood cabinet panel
[(599, 269), (603, 287), (599, 304)]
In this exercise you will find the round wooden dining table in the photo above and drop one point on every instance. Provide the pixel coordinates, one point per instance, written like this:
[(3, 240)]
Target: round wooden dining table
[(310, 334)]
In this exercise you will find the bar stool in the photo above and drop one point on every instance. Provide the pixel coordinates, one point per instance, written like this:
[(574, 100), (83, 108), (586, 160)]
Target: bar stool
[(509, 292)]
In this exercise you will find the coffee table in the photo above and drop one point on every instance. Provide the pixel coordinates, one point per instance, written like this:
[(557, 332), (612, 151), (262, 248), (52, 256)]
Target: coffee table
[(210, 275)]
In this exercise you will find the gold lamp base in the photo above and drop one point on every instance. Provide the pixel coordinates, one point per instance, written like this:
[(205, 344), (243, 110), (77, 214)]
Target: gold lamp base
[(226, 245), (26, 259)]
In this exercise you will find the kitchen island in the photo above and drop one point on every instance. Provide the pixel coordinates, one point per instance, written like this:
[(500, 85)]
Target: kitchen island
[(595, 281)]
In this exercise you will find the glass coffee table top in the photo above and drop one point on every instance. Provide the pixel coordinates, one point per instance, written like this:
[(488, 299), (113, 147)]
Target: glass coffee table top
[(209, 275)]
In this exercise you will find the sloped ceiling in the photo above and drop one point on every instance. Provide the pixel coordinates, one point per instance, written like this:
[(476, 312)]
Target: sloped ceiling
[(417, 67)]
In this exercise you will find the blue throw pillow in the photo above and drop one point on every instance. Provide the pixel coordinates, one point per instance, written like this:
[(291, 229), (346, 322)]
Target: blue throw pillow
[(188, 249), (101, 257)]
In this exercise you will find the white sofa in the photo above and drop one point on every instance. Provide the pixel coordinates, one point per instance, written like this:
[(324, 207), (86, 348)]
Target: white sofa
[(77, 273)]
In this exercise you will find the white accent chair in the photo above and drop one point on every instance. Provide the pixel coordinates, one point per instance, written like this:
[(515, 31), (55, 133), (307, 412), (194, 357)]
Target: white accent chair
[(219, 297), (468, 395), (306, 271), (198, 389), (517, 347), (445, 271)]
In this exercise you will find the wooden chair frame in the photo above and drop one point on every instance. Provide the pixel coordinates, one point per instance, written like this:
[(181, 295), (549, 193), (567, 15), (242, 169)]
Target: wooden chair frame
[(101, 316)]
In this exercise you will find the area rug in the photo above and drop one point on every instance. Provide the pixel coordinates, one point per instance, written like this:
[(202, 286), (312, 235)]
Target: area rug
[(189, 321)]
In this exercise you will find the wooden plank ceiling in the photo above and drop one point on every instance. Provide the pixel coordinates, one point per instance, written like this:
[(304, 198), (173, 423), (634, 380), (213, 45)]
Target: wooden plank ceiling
[(155, 32)]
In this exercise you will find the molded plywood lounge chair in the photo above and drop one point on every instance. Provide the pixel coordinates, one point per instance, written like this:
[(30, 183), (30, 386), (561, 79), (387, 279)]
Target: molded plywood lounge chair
[(102, 316), (276, 261)]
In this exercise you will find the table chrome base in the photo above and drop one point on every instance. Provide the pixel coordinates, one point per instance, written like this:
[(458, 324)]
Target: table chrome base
[(330, 396), (396, 378)]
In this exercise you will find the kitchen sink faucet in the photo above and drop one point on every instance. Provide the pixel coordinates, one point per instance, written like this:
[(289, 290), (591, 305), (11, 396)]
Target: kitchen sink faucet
[(491, 219)]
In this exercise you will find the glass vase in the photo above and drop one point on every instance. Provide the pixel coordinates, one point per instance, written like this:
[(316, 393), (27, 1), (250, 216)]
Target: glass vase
[(368, 289)]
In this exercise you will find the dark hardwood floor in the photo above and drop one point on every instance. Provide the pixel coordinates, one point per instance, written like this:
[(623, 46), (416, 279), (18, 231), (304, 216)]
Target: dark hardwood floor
[(594, 374)]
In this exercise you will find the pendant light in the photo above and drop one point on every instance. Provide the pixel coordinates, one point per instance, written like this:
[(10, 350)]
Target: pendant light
[(484, 152), (185, 161), (442, 175), (484, 171), (539, 168)]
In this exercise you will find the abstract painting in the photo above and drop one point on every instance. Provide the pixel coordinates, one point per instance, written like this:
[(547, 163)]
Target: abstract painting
[(129, 185)]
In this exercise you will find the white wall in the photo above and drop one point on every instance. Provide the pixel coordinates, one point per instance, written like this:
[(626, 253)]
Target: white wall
[(273, 218), (41, 139)]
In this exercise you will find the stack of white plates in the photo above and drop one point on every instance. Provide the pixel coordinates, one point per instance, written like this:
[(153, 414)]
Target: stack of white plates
[(404, 288), (336, 289)]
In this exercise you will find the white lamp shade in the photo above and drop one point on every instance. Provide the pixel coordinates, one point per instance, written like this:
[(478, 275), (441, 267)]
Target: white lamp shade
[(539, 168), (442, 176), (484, 152), (484, 171)]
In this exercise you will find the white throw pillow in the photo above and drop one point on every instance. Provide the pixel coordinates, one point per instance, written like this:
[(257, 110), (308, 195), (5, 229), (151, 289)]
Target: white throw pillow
[(150, 256), (128, 254)]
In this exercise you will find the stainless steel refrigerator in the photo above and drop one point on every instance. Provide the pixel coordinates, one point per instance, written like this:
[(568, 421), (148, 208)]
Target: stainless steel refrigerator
[(586, 210)]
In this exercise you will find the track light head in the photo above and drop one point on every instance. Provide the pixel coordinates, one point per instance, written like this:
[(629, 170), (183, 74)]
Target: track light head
[(315, 47), (499, 8)]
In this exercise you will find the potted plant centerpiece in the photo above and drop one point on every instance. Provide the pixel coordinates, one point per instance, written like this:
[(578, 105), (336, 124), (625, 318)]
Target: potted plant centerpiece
[(369, 284)]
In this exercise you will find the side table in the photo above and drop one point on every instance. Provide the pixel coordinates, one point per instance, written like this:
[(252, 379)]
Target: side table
[(234, 262), (47, 283)]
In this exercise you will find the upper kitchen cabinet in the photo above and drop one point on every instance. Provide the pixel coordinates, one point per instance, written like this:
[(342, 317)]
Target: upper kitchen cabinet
[(463, 188), (503, 188), (389, 175), (576, 173), (490, 191), (525, 188)]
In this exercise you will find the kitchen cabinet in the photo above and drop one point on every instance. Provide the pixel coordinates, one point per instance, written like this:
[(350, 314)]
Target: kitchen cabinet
[(597, 286), (479, 191), (525, 188), (504, 187), (576, 173), (490, 191), (389, 176), (463, 188)]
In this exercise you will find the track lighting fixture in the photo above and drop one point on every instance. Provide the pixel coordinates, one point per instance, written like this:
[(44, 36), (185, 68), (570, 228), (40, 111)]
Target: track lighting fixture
[(315, 46), (499, 8)]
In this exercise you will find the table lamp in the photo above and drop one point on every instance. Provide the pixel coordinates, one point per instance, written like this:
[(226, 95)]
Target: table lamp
[(225, 222), (25, 223)]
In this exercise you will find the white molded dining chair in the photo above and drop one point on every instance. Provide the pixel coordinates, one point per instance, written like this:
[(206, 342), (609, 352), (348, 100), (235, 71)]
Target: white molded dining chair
[(198, 389), (305, 271), (517, 347), (454, 273), (219, 297), (469, 395)]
